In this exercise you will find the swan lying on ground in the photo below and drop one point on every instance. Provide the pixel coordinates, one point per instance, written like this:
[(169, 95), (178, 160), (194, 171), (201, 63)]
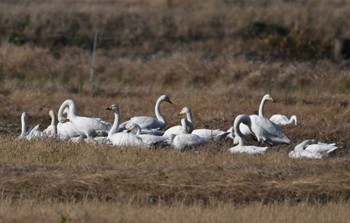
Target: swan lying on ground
[(184, 128), (209, 134), (51, 130), (149, 139), (264, 130), (313, 149), (241, 148), (66, 130), (186, 141), (122, 139), (279, 119), (31, 133), (87, 126), (147, 122)]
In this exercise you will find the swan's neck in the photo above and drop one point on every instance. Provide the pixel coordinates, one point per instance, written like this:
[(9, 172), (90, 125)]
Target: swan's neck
[(294, 120), (138, 130), (23, 126), (115, 125), (262, 106), (159, 115), (72, 110), (189, 117), (53, 118), (241, 119)]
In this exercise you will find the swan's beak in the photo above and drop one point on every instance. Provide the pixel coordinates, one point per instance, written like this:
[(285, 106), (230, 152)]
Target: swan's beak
[(170, 102), (182, 112), (66, 120), (109, 108), (129, 130), (271, 99)]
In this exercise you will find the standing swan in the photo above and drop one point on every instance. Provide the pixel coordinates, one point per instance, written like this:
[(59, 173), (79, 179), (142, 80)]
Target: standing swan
[(244, 128), (265, 131), (87, 126), (147, 122), (279, 119), (122, 139), (241, 148)]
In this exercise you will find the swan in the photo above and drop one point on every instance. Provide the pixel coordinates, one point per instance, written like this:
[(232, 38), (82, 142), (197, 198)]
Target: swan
[(279, 119), (122, 139), (209, 134), (244, 128), (186, 141), (87, 126), (241, 148), (313, 149), (184, 128), (147, 122), (150, 140), (51, 130), (31, 133), (265, 131)]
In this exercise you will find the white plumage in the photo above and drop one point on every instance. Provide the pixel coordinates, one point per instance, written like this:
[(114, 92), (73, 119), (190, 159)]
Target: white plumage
[(313, 149)]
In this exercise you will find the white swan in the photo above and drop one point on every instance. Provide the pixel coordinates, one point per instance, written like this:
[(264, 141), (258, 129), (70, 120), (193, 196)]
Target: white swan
[(51, 130), (279, 119), (209, 134), (186, 141), (265, 131), (122, 139), (147, 122), (32, 133), (149, 139), (313, 149), (241, 148), (87, 126), (184, 128), (244, 128)]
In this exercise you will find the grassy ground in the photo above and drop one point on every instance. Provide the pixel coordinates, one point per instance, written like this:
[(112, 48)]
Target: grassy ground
[(205, 55)]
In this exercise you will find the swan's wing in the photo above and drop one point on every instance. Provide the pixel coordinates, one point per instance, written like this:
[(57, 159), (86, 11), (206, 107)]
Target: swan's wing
[(146, 122), (155, 132), (123, 139), (176, 130), (210, 134), (154, 140), (279, 119), (267, 131), (321, 148), (67, 130), (50, 131), (248, 149), (297, 154), (186, 141)]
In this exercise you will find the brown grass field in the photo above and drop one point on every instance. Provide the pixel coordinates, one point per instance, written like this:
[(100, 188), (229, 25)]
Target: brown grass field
[(212, 56)]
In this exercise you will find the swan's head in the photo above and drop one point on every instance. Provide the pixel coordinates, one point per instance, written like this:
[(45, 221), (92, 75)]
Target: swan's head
[(165, 98), (268, 97), (130, 127), (185, 110), (114, 108)]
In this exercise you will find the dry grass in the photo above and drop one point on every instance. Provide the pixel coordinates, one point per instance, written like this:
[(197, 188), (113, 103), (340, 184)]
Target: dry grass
[(30, 211), (200, 58)]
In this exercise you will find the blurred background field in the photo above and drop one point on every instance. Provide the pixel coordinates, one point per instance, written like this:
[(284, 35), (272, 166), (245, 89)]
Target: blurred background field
[(217, 57)]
